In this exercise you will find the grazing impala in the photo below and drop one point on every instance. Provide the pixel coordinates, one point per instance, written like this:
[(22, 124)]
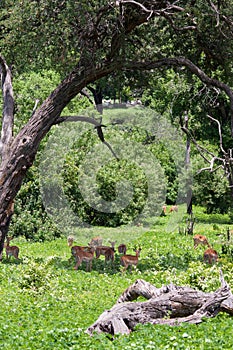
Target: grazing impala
[(173, 208), (108, 252), (96, 242), (77, 248), (130, 260), (87, 257), (122, 249), (210, 256), (199, 239), (11, 251)]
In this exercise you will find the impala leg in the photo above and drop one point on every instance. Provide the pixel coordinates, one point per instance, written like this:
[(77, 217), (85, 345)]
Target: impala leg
[(78, 262)]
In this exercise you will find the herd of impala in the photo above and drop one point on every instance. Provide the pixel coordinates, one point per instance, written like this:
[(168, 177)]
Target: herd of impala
[(95, 249)]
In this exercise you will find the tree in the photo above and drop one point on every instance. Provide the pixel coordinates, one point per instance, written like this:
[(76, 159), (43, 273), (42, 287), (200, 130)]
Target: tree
[(95, 39)]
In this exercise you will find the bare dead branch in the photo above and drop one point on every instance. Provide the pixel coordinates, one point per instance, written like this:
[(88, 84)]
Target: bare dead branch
[(169, 304), (209, 169), (84, 93), (35, 106), (219, 132), (77, 118), (138, 4), (8, 109), (216, 11), (180, 29), (93, 121), (200, 148)]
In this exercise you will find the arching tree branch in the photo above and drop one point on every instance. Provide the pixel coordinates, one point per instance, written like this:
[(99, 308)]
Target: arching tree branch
[(182, 61)]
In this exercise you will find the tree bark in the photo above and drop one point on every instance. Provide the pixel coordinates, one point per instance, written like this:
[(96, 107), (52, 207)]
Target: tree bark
[(171, 305)]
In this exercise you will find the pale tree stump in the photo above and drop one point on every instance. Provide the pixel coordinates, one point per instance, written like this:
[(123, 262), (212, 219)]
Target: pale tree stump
[(169, 305)]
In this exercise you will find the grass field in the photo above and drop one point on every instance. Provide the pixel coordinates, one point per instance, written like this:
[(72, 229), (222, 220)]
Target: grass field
[(46, 304)]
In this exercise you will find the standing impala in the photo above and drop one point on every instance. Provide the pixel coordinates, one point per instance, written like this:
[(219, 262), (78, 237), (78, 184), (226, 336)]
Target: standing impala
[(199, 239), (109, 255), (87, 257), (70, 241), (11, 250), (75, 248), (210, 256), (130, 260)]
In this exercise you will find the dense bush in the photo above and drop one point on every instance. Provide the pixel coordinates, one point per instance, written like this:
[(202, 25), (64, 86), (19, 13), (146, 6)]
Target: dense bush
[(111, 183)]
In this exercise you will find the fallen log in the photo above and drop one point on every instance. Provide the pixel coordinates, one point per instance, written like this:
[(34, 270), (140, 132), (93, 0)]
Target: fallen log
[(171, 305)]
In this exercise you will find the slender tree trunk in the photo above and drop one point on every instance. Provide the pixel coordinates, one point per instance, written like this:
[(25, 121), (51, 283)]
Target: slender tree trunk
[(187, 165), (98, 97)]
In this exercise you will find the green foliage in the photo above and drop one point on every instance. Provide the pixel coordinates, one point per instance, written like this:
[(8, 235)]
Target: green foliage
[(47, 303), (30, 219), (108, 179), (38, 85), (31, 86), (36, 277)]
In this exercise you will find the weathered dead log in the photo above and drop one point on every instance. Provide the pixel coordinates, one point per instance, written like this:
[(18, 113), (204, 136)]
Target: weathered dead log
[(169, 304)]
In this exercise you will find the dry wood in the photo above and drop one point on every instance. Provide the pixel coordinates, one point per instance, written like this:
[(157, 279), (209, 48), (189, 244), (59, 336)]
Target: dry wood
[(169, 304)]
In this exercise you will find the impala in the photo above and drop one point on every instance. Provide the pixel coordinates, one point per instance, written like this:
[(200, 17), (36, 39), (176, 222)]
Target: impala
[(122, 249), (87, 257), (96, 242), (11, 251), (108, 252), (77, 248), (199, 239), (210, 256), (164, 209), (130, 260), (70, 241), (173, 208), (109, 255)]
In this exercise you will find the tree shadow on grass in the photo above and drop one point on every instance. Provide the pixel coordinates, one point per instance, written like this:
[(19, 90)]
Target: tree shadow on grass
[(161, 262), (168, 261), (10, 261)]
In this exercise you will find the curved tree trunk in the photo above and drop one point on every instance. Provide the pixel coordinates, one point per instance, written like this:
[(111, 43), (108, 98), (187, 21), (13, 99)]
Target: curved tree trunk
[(169, 304), (18, 154)]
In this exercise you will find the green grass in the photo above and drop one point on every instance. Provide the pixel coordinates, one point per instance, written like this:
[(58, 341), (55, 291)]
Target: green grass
[(45, 304)]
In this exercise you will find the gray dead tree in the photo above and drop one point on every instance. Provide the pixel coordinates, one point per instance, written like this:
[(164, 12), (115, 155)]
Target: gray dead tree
[(170, 304)]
